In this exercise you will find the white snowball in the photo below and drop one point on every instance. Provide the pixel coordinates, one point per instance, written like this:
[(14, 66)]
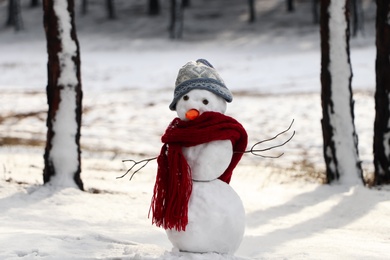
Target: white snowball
[(216, 219), (209, 161)]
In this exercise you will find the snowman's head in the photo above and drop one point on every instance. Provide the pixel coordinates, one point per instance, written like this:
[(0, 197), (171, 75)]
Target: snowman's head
[(202, 77), (198, 101)]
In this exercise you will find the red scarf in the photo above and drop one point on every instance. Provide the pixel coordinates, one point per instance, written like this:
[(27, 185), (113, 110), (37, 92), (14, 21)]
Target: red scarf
[(173, 185)]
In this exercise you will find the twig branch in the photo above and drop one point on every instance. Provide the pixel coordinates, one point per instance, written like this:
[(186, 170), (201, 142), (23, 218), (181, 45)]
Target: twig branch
[(256, 152), (135, 163)]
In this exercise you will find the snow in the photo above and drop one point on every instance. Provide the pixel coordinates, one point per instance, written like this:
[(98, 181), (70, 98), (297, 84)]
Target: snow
[(128, 85), (63, 153), (340, 116), (68, 45), (216, 220)]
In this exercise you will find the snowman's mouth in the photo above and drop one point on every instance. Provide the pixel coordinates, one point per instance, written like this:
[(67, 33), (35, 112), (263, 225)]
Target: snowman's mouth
[(192, 114)]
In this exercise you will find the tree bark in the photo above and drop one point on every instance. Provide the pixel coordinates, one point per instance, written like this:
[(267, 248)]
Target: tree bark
[(84, 7), (327, 129), (382, 95), (252, 12), (110, 9), (11, 18), (290, 5), (314, 8), (357, 16), (154, 7), (186, 3), (339, 135), (176, 19), (64, 97), (34, 3), (15, 15)]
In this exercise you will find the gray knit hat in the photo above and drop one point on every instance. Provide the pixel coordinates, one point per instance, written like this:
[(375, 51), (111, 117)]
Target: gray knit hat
[(199, 75)]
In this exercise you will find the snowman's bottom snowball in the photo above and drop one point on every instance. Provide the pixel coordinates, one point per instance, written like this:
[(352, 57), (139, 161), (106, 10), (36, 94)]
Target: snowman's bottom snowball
[(216, 220)]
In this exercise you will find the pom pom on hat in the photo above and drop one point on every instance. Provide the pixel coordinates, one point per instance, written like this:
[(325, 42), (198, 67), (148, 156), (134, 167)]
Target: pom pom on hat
[(199, 75)]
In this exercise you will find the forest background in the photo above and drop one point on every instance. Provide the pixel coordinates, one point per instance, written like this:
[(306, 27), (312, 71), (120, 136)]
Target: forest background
[(129, 65)]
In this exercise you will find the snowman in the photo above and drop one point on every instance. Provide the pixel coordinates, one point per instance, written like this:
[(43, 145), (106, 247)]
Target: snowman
[(192, 198)]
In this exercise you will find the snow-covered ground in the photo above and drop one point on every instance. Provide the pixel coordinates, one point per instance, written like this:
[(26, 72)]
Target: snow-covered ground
[(272, 67)]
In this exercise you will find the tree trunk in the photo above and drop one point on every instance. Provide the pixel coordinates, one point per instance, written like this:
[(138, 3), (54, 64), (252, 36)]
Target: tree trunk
[(84, 7), (382, 95), (252, 12), (357, 16), (339, 135), (34, 3), (154, 7), (11, 18), (64, 96), (15, 15), (186, 3), (314, 8), (290, 5), (176, 19), (18, 16), (110, 9)]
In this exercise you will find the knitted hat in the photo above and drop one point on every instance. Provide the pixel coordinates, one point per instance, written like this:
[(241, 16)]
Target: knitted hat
[(199, 75)]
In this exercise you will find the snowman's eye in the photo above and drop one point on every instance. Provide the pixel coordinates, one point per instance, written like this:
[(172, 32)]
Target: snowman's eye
[(185, 97), (205, 101)]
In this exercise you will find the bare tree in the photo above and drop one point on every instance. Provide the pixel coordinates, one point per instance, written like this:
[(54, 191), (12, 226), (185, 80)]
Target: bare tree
[(34, 3), (176, 19), (64, 96), (15, 15), (154, 7), (339, 135), (382, 97), (111, 13), (290, 5), (186, 3), (314, 8), (357, 16), (84, 7), (252, 11)]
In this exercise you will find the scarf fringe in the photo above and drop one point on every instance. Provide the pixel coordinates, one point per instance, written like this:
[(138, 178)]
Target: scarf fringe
[(172, 190)]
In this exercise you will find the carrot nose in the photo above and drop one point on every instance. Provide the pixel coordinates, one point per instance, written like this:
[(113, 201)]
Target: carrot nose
[(192, 114)]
